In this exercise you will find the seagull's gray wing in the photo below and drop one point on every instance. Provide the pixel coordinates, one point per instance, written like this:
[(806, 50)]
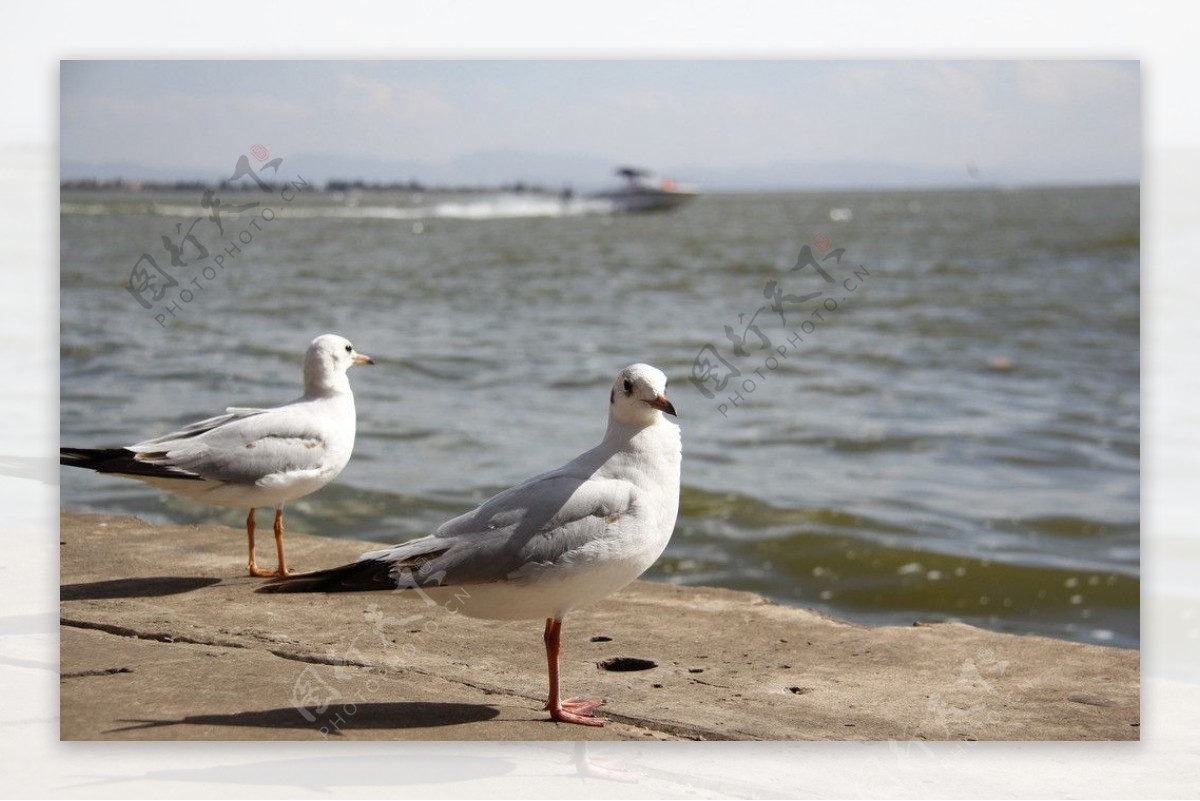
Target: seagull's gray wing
[(542, 522), (244, 446), (232, 414)]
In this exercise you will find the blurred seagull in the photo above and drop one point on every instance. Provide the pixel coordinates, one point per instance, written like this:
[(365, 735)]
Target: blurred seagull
[(552, 543), (252, 457)]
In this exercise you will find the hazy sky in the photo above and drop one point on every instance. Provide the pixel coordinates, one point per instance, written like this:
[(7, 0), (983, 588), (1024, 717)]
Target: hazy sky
[(1021, 121)]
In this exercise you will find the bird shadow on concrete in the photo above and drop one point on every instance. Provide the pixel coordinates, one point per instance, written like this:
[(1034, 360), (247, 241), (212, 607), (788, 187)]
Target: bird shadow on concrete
[(148, 587), (332, 721)]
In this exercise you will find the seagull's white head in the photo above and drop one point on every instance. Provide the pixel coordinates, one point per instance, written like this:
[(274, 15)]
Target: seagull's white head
[(328, 358), (639, 395)]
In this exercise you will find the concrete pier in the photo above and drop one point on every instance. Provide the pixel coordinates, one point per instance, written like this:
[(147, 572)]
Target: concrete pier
[(163, 638)]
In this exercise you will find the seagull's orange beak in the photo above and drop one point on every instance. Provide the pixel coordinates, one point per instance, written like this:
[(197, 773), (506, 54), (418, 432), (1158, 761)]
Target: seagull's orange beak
[(661, 403), (362, 358)]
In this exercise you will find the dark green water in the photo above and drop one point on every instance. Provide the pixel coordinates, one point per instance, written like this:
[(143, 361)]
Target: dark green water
[(956, 437)]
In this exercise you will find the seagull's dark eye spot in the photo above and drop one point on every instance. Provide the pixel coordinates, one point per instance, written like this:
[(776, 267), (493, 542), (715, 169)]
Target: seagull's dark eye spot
[(349, 348), (628, 387)]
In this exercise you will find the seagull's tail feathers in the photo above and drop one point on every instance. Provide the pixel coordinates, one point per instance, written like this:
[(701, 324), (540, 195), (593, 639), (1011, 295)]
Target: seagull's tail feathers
[(361, 576), (122, 461), (355, 577)]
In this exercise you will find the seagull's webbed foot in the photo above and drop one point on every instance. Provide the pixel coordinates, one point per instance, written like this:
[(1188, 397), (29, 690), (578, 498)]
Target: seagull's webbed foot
[(577, 710), (259, 572)]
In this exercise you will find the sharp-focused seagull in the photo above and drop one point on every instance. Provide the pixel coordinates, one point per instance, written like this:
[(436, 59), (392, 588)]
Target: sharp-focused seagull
[(552, 543), (252, 457)]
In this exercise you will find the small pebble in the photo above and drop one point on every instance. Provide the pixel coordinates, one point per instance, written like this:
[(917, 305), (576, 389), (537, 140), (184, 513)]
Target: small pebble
[(1001, 363)]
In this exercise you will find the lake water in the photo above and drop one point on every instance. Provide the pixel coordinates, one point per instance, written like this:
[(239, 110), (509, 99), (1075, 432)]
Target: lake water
[(948, 430)]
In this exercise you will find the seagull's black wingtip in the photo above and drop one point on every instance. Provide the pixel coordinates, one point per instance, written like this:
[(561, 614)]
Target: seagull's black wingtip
[(363, 576), (122, 462)]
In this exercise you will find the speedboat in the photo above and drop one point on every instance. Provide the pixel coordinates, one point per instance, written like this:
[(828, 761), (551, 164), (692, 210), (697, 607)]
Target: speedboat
[(643, 191)]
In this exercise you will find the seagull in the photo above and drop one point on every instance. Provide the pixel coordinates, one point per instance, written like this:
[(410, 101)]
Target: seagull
[(552, 543), (252, 457)]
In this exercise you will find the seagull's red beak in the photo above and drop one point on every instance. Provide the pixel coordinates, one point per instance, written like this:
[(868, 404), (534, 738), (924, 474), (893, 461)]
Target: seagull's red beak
[(661, 403)]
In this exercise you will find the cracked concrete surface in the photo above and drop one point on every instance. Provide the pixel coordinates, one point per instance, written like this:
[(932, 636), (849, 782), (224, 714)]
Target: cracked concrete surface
[(164, 638)]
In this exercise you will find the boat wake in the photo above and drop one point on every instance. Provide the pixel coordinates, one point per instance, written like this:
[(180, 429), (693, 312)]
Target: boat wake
[(512, 206), (483, 207)]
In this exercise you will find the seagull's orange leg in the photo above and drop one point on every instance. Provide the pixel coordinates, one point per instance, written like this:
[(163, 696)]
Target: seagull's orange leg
[(255, 570), (573, 710), (282, 571)]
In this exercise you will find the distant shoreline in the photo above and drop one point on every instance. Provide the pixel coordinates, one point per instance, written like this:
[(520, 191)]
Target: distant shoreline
[(342, 186)]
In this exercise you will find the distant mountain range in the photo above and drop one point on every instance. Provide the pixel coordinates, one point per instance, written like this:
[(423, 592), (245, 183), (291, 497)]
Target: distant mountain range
[(583, 172)]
